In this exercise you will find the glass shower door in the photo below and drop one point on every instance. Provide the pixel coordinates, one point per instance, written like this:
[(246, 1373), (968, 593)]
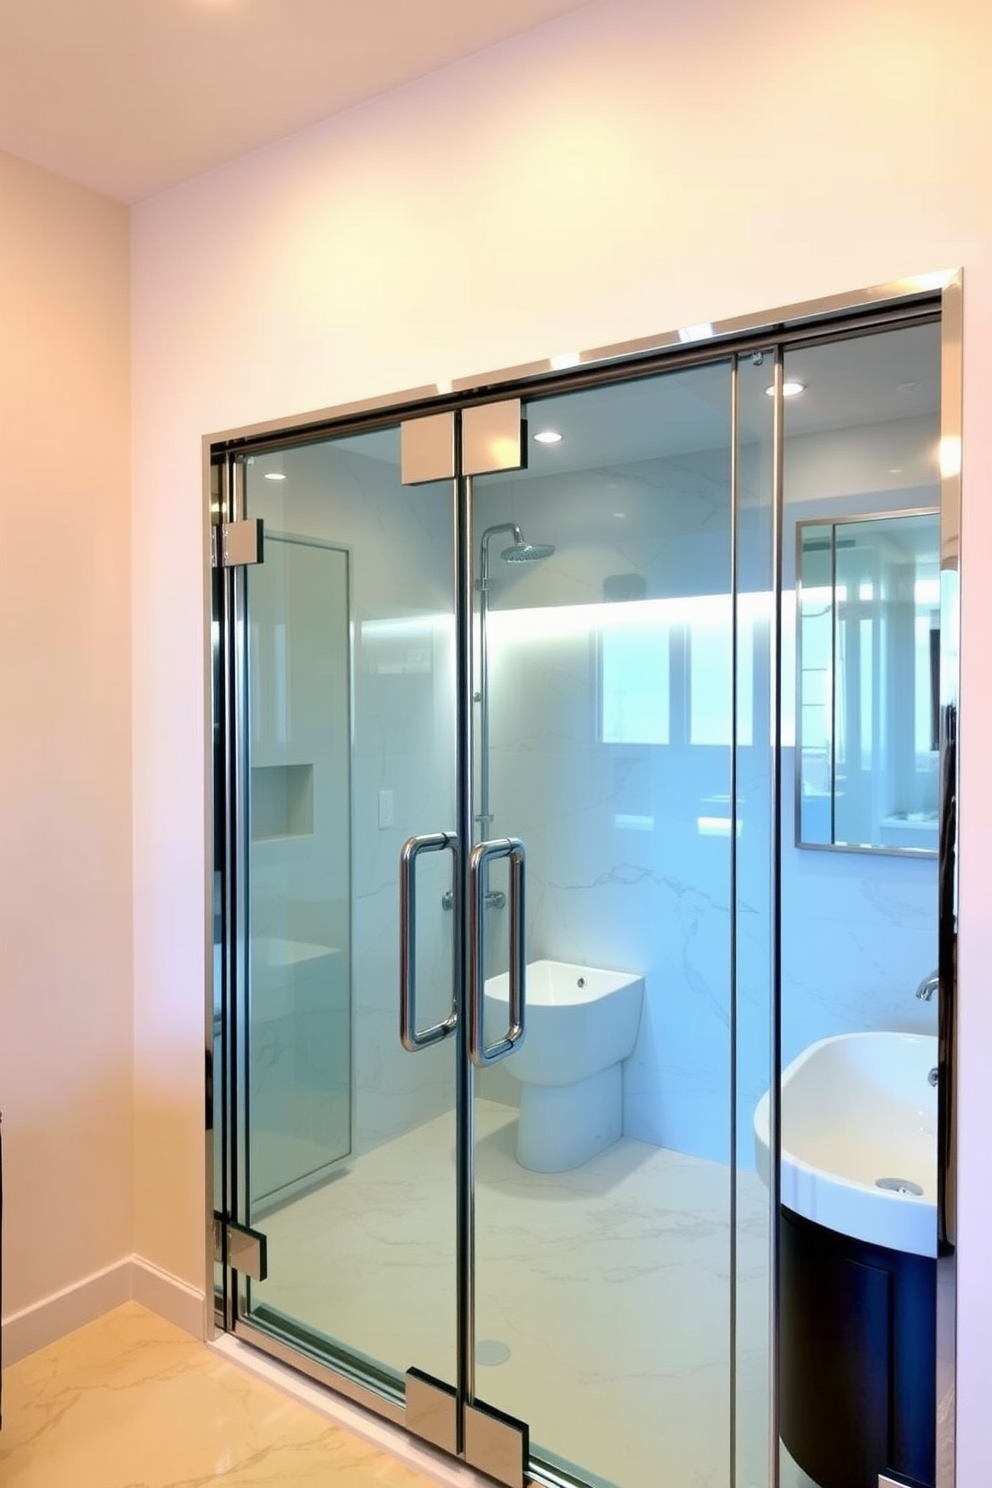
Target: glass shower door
[(604, 730), (348, 699)]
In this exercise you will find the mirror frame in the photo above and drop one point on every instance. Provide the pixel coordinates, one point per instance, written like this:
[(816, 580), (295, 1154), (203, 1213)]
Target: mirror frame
[(833, 522)]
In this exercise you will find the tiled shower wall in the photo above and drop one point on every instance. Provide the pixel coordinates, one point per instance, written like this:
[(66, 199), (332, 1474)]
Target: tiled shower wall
[(399, 557), (628, 842)]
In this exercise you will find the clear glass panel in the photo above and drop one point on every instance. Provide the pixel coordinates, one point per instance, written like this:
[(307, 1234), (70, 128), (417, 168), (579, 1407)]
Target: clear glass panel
[(756, 740), (350, 670), (859, 930), (603, 1154)]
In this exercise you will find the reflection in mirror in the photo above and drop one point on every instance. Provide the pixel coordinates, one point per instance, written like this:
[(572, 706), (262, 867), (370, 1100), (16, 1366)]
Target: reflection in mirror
[(867, 680)]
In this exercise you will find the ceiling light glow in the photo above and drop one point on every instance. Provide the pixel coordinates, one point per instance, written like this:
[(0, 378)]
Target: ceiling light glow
[(274, 475), (790, 389), (548, 436)]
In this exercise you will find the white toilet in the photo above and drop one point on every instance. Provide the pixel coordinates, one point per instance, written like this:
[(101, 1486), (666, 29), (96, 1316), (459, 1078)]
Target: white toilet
[(580, 1024)]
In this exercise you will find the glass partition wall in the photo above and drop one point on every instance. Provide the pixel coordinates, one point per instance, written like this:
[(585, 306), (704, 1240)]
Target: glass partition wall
[(516, 924)]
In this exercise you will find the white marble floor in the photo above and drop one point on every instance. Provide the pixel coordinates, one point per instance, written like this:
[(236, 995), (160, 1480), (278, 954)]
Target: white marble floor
[(603, 1295)]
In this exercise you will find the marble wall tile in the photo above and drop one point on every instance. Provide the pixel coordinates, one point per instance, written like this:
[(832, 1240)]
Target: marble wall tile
[(622, 873), (622, 868), (339, 886)]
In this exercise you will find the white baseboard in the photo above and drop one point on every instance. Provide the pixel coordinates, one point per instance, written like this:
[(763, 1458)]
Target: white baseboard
[(171, 1298), (54, 1316), (130, 1278)]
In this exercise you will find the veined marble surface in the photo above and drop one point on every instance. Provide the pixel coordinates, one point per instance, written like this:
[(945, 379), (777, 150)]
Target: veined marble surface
[(603, 1293), (131, 1402)]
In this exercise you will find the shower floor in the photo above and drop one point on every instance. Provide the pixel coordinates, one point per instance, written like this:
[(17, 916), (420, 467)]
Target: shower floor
[(602, 1294)]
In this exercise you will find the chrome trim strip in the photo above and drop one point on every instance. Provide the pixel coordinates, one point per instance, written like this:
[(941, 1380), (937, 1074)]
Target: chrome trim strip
[(876, 516), (775, 1048), (951, 423), (834, 636), (238, 838), (874, 852), (217, 1145), (231, 1021), (323, 1374), (734, 809), (464, 588), (769, 323)]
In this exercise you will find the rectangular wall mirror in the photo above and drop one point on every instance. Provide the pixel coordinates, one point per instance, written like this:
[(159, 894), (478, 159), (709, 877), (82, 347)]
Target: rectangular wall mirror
[(867, 601)]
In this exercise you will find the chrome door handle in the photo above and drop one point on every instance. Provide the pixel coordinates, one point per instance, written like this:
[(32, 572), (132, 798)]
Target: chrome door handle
[(409, 853), (486, 852)]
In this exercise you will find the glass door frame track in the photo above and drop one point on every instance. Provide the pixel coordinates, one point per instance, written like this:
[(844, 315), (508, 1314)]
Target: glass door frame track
[(929, 298)]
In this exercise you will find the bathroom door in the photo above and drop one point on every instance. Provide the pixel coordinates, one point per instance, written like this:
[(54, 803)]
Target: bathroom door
[(605, 1177), (486, 821), (350, 912), (340, 697)]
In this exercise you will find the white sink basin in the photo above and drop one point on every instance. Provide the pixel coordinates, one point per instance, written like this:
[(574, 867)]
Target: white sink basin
[(856, 1109)]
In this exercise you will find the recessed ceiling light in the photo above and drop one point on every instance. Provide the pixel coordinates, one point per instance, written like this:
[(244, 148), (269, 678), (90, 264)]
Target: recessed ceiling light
[(789, 389), (548, 436), (274, 475)]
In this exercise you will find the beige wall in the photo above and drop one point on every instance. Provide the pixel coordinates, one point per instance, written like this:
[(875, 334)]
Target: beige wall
[(65, 748), (635, 167)]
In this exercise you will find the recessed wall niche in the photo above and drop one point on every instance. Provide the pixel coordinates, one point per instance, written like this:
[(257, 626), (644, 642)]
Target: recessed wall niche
[(281, 801)]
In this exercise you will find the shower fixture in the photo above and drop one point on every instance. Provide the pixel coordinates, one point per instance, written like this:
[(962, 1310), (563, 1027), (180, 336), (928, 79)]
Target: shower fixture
[(525, 552), (520, 552)]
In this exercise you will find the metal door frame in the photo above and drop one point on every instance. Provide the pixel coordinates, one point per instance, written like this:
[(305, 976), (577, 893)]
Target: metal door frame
[(832, 318)]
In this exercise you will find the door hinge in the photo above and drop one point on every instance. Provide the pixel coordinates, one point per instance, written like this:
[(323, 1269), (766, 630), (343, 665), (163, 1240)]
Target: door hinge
[(241, 1248), (237, 544)]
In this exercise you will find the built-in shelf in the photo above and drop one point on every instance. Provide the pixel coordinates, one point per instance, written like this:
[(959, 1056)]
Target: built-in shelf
[(281, 802)]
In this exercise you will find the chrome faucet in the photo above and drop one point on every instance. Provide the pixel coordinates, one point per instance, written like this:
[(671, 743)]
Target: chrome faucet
[(928, 987)]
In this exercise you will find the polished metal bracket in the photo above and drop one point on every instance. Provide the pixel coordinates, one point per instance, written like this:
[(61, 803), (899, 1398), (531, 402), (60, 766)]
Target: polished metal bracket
[(432, 1410), (427, 449), (242, 1249), (497, 1444), (494, 437), (237, 544)]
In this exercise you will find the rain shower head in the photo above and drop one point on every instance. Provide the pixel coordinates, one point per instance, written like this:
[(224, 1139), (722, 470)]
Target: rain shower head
[(525, 552)]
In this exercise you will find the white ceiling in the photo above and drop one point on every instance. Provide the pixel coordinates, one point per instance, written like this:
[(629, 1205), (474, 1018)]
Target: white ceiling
[(130, 97)]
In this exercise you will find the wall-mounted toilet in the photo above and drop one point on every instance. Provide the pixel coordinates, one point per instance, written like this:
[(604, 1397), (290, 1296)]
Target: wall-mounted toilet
[(581, 1023)]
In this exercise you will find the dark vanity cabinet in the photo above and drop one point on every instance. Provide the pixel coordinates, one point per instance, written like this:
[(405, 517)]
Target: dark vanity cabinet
[(858, 1372)]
